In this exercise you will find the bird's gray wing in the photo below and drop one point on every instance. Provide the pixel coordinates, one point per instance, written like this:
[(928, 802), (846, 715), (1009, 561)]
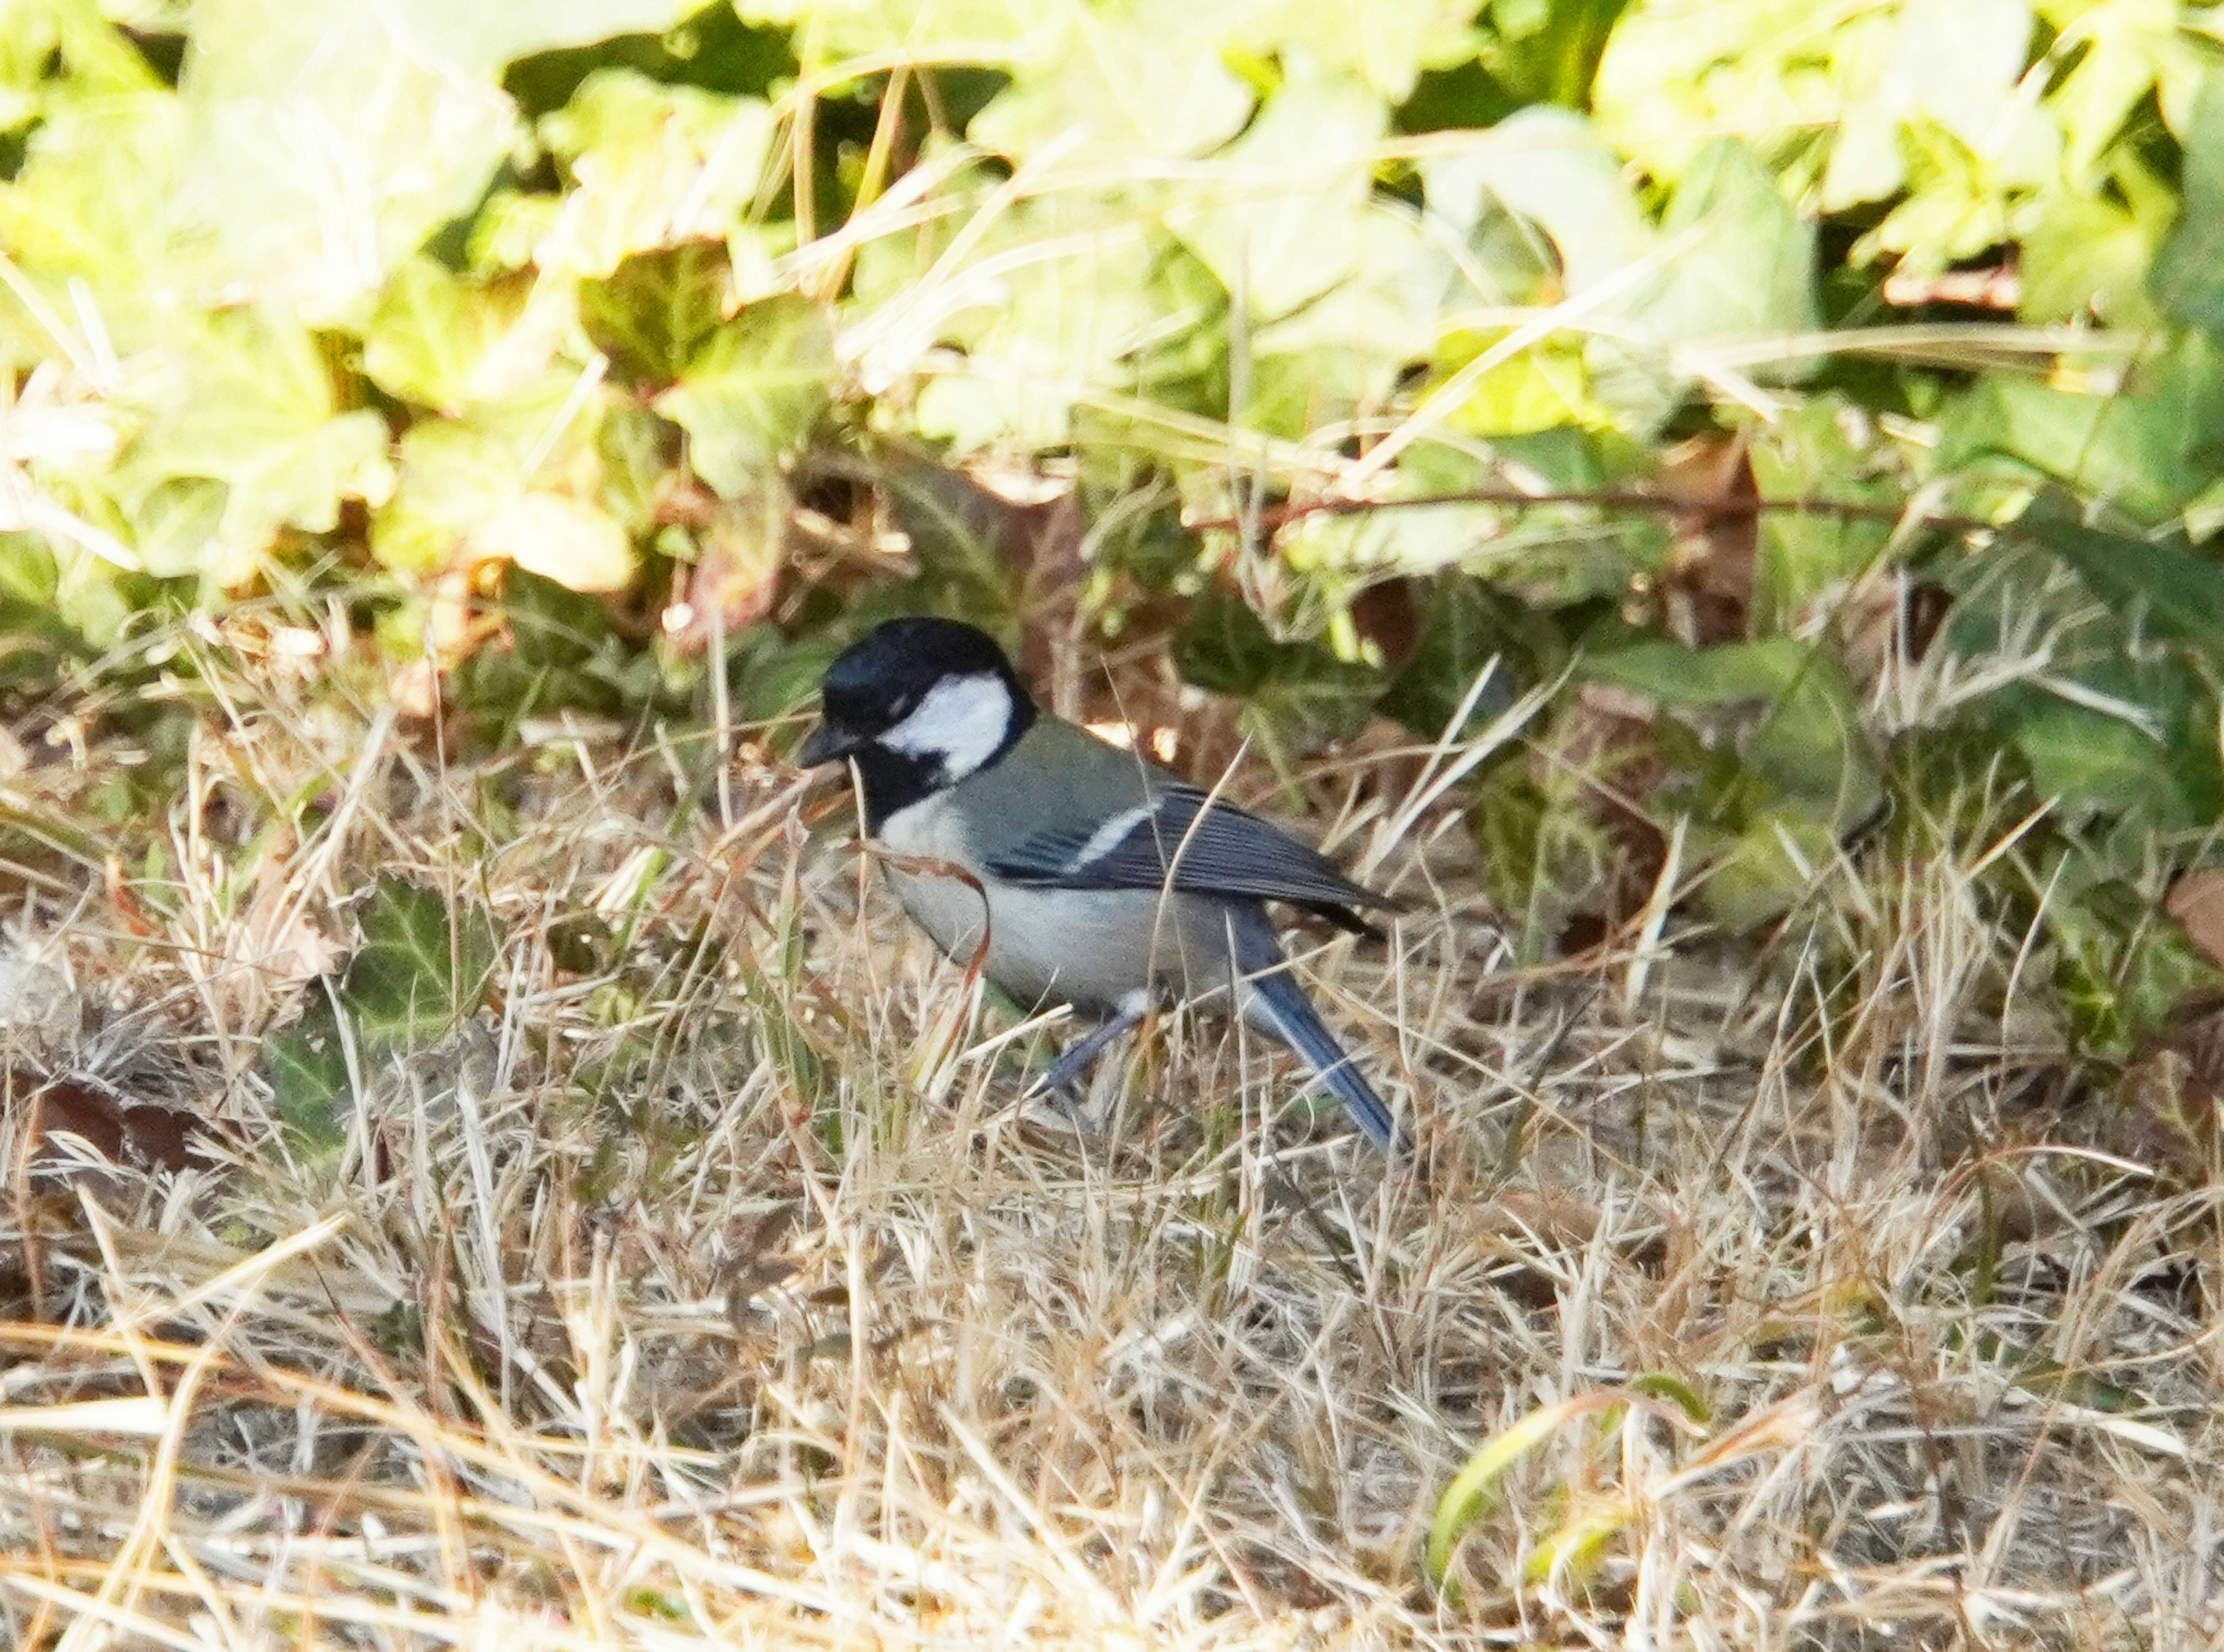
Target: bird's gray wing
[(1183, 839)]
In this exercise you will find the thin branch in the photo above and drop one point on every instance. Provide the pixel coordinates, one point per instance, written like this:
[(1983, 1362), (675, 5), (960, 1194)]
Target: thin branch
[(1715, 509)]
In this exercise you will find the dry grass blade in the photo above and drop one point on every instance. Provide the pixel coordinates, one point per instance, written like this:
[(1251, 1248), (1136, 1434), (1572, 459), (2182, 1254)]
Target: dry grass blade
[(705, 1286)]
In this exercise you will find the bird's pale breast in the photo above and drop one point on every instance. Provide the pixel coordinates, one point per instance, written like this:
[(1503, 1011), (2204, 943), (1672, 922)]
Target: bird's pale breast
[(1091, 948)]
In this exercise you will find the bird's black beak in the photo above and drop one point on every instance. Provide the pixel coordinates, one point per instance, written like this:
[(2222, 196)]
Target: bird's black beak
[(825, 743)]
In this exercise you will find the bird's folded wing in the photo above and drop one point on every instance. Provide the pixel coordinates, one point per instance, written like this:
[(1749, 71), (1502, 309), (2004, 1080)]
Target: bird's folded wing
[(1185, 840)]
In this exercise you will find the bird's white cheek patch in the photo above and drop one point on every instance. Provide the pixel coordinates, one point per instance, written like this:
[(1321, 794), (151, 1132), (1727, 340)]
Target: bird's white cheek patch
[(961, 721)]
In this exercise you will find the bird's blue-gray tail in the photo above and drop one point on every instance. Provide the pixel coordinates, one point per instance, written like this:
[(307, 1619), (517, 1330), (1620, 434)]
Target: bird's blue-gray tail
[(1275, 1003)]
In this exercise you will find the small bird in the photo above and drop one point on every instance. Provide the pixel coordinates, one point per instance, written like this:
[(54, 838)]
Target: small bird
[(1105, 880)]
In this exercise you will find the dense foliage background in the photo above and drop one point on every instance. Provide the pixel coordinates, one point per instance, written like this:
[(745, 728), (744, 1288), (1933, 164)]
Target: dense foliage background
[(538, 355)]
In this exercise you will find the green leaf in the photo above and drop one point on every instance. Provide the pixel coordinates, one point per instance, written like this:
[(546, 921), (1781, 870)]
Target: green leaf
[(1732, 258), (330, 141), (2088, 256), (1550, 166), (2122, 968), (1924, 101), (1382, 44), (1765, 869), (551, 624), (1958, 62), (958, 532), (1111, 84), (1739, 263), (1781, 710), (2088, 761), (752, 391), (1346, 353), (97, 202), (1277, 222), (464, 493), (1466, 626), (653, 313), (569, 541), (422, 967), (2187, 278), (1822, 450), (2176, 593), (53, 53), (707, 46), (252, 405), (989, 30), (1545, 51), (442, 342), (650, 166), (1047, 301), (307, 1064), (1744, 260), (1296, 695), (452, 478), (2149, 448)]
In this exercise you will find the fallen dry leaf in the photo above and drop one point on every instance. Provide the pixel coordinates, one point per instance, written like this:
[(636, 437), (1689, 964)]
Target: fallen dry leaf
[(122, 1132), (2196, 901)]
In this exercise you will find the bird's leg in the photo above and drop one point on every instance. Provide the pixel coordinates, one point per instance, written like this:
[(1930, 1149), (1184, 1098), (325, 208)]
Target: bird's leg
[(1066, 1072)]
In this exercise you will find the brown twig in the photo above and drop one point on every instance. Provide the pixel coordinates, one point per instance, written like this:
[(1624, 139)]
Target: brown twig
[(1711, 510)]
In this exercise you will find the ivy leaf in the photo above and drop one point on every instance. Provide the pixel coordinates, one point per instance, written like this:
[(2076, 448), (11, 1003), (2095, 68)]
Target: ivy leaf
[(2121, 968), (2187, 278), (992, 28), (2091, 762), (560, 653), (1783, 712), (1296, 695), (551, 624), (96, 201), (2176, 593), (463, 494), (577, 544), (1749, 267), (2150, 450), (252, 405), (958, 532), (422, 967), (1468, 625), (1550, 166), (1280, 222), (442, 342), (1108, 85), (753, 390), (653, 313), (1385, 46), (329, 141), (651, 165), (1814, 452), (306, 1064)]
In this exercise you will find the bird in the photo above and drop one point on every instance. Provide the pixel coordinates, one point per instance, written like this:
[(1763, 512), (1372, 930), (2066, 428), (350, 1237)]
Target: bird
[(1104, 880)]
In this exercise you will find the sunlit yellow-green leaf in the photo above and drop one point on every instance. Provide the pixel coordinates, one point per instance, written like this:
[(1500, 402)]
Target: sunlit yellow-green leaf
[(1115, 82), (1278, 220), (445, 342), (248, 400), (651, 165), (752, 390), (574, 543)]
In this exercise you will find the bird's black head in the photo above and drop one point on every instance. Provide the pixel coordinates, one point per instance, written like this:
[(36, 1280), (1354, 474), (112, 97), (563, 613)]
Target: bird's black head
[(920, 704)]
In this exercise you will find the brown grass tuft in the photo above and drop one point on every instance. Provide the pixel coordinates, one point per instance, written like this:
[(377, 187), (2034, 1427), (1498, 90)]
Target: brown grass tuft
[(709, 1287)]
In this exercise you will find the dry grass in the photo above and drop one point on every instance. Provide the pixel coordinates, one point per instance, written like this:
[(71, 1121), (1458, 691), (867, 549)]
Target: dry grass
[(719, 1295)]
